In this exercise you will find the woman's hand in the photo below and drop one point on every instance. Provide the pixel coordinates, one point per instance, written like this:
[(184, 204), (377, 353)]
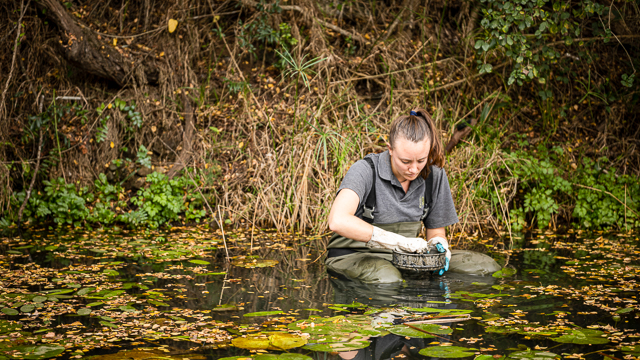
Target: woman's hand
[(382, 239)]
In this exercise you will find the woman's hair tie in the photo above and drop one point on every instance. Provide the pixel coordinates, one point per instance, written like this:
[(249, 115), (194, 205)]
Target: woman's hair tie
[(413, 113)]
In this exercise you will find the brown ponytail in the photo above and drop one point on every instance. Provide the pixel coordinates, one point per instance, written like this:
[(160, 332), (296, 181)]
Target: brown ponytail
[(417, 128)]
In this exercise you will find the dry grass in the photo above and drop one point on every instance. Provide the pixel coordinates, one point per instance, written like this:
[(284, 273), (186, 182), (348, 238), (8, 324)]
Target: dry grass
[(274, 155)]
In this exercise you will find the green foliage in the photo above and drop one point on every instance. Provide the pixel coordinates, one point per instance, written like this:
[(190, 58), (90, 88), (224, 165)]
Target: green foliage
[(550, 185), (163, 200), (596, 206), (143, 157), (61, 203), (66, 204), (522, 30)]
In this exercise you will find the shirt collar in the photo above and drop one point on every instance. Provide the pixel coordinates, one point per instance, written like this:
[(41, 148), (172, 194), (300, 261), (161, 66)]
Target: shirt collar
[(385, 172)]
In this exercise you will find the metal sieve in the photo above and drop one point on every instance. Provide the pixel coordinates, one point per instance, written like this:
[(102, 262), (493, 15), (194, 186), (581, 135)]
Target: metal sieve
[(418, 262)]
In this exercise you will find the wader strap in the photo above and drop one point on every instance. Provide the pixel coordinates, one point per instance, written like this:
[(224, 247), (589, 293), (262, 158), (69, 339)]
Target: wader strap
[(339, 252), (427, 194), (370, 203)]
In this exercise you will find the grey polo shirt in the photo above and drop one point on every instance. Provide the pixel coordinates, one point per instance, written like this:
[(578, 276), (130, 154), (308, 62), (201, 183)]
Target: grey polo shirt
[(392, 203)]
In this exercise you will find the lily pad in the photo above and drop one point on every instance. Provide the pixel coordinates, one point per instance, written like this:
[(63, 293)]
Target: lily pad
[(428, 330), (353, 344), (582, 336), (263, 313), (285, 356), (10, 311), (286, 341), (252, 342), (39, 299), (27, 308), (108, 324), (624, 310), (448, 352), (507, 329), (110, 272), (533, 355), (504, 273), (254, 263), (199, 262), (83, 311), (40, 352), (85, 291), (127, 308), (633, 350)]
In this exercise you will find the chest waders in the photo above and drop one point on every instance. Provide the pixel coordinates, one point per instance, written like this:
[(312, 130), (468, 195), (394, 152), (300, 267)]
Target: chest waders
[(340, 245)]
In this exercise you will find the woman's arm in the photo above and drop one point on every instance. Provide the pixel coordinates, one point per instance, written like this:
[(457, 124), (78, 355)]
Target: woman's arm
[(439, 232), (342, 219)]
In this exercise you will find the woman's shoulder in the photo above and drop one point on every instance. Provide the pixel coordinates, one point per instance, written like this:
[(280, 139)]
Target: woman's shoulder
[(438, 172)]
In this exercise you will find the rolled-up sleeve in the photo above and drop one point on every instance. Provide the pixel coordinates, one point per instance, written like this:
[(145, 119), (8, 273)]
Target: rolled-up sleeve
[(443, 211), (359, 178)]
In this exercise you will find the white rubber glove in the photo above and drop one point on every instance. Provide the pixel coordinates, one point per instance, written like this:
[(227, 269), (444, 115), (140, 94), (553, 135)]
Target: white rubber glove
[(382, 239), (441, 245)]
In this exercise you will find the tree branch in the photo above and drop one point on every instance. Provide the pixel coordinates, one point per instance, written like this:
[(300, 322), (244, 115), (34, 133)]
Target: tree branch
[(80, 46)]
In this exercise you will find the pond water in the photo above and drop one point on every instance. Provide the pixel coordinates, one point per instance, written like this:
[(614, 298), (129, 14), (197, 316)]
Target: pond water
[(173, 295)]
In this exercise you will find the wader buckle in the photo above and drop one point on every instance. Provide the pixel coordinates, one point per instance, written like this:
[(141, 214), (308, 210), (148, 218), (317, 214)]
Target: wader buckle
[(368, 212), (424, 214)]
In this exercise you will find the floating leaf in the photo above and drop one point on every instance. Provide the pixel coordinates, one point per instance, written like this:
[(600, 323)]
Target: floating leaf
[(199, 262), (83, 311), (284, 356), (483, 357), (448, 352), (633, 350), (353, 344), (157, 303), (113, 293), (506, 272), (85, 291), (172, 25), (110, 272), (582, 336), (263, 313), (427, 330), (225, 307), (255, 263), (27, 308), (533, 355), (10, 311), (40, 352), (624, 310), (285, 341), (252, 342), (39, 299), (109, 324), (95, 304), (337, 308), (128, 308)]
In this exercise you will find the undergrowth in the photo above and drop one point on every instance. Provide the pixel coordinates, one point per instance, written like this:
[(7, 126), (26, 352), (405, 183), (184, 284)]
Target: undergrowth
[(269, 104)]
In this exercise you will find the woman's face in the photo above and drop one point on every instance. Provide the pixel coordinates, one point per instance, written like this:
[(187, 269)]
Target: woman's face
[(408, 158)]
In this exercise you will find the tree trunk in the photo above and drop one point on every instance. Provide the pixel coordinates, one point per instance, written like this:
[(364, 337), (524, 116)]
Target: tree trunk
[(82, 48)]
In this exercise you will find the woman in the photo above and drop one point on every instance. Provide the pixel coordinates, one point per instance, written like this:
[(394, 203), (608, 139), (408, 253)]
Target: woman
[(382, 204)]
